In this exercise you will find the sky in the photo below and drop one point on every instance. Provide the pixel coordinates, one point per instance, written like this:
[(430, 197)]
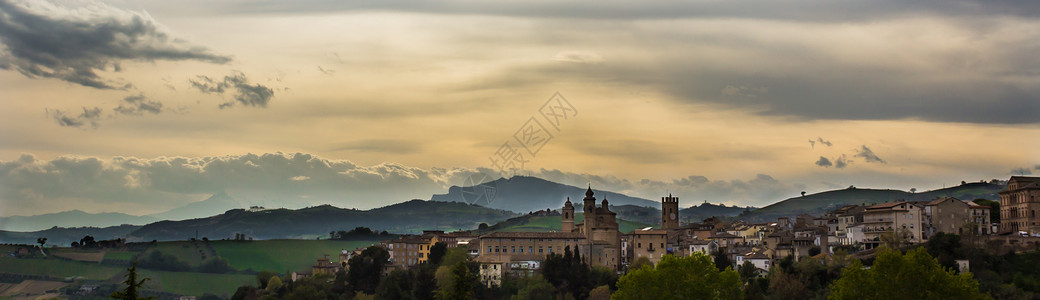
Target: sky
[(141, 106)]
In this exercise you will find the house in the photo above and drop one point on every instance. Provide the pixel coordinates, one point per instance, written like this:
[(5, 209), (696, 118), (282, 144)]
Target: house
[(707, 247), (493, 268), (901, 218), (649, 243), (979, 218), (761, 261), (946, 215), (1019, 205)]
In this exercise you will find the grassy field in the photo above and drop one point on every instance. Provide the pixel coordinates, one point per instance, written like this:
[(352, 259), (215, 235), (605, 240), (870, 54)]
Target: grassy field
[(186, 251), (58, 268), (281, 255), (197, 284), (76, 254), (120, 254)]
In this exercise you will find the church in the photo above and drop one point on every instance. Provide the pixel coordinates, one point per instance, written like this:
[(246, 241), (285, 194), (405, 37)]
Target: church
[(599, 227)]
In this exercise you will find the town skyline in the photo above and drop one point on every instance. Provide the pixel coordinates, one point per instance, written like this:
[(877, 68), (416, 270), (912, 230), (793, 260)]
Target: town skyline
[(355, 105)]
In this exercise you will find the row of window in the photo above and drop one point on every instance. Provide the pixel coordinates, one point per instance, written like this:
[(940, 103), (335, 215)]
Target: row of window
[(529, 240), (513, 249)]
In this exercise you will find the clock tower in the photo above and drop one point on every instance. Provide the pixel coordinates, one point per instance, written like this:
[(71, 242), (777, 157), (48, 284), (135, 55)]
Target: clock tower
[(669, 212)]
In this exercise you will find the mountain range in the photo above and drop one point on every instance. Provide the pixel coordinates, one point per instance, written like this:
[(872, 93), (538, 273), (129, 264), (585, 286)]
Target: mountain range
[(524, 194)]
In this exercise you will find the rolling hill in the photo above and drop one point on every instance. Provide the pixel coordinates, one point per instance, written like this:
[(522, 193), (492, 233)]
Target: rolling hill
[(819, 203), (541, 223), (65, 236), (406, 217), (524, 194)]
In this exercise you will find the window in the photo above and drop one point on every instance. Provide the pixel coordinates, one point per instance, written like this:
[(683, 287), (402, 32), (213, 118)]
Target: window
[(550, 249), (514, 249), (540, 249), (521, 249), (639, 245), (489, 249)]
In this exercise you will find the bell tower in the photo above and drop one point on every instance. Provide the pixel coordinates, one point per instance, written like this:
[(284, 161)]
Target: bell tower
[(568, 216), (669, 212), (590, 210)]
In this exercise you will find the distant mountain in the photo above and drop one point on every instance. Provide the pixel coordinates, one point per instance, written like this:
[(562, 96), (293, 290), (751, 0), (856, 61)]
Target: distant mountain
[(525, 194), (65, 236), (72, 218), (215, 204), (406, 217), (819, 203)]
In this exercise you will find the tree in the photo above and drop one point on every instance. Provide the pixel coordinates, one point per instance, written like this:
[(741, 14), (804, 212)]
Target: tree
[(690, 277), (722, 260), (460, 285), (803, 193), (915, 275), (273, 284), (132, 285), (396, 286), (217, 265), (482, 226), (455, 255), (263, 277), (913, 190), (994, 208), (639, 262), (437, 253), (41, 241), (535, 288), (367, 268), (747, 271), (600, 293), (814, 250)]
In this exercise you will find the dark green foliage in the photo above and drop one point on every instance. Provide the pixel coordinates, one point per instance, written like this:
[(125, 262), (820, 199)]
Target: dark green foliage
[(263, 277), (814, 251), (722, 260), (994, 208), (163, 262), (462, 283), (367, 268), (689, 277), (132, 285), (570, 275), (915, 275), (246, 292), (396, 286), (216, 265), (437, 253)]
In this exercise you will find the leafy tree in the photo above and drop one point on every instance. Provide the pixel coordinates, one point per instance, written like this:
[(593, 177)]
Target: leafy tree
[(263, 277), (132, 285), (396, 286), (460, 286), (164, 262), (367, 268), (722, 260), (785, 284), (274, 284), (600, 293), (639, 262), (41, 241), (915, 275), (437, 253), (482, 226), (690, 277), (454, 256), (747, 271), (246, 292), (424, 284), (814, 250), (535, 288)]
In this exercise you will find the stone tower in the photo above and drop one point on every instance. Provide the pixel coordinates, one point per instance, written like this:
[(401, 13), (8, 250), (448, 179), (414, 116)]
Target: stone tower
[(568, 216), (590, 210), (669, 212)]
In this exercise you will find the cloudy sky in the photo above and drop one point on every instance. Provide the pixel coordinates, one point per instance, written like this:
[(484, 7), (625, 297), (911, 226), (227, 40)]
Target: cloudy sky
[(140, 106)]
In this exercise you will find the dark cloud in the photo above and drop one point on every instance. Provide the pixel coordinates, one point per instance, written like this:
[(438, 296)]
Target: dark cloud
[(326, 71), (812, 142), (840, 162), (868, 155), (1021, 171), (74, 44), (89, 116), (823, 162), (138, 105), (246, 93)]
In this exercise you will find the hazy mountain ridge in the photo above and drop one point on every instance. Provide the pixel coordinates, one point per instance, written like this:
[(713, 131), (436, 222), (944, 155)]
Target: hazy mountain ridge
[(406, 217), (65, 236), (524, 194), (72, 218), (819, 203)]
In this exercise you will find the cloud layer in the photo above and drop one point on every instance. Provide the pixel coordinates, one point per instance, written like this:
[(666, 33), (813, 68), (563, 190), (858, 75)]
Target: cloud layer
[(74, 44), (134, 185)]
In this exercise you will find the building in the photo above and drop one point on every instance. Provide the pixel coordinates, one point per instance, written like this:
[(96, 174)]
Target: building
[(324, 266), (493, 268), (901, 218), (528, 246), (946, 215), (669, 212), (980, 218), (707, 247), (599, 228), (1019, 205), (649, 243), (407, 251)]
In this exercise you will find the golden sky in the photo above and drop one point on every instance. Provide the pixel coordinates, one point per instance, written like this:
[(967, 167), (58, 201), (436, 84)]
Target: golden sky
[(129, 105)]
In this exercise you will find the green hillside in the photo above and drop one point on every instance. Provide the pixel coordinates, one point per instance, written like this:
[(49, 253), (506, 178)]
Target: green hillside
[(282, 256), (406, 217), (819, 203)]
